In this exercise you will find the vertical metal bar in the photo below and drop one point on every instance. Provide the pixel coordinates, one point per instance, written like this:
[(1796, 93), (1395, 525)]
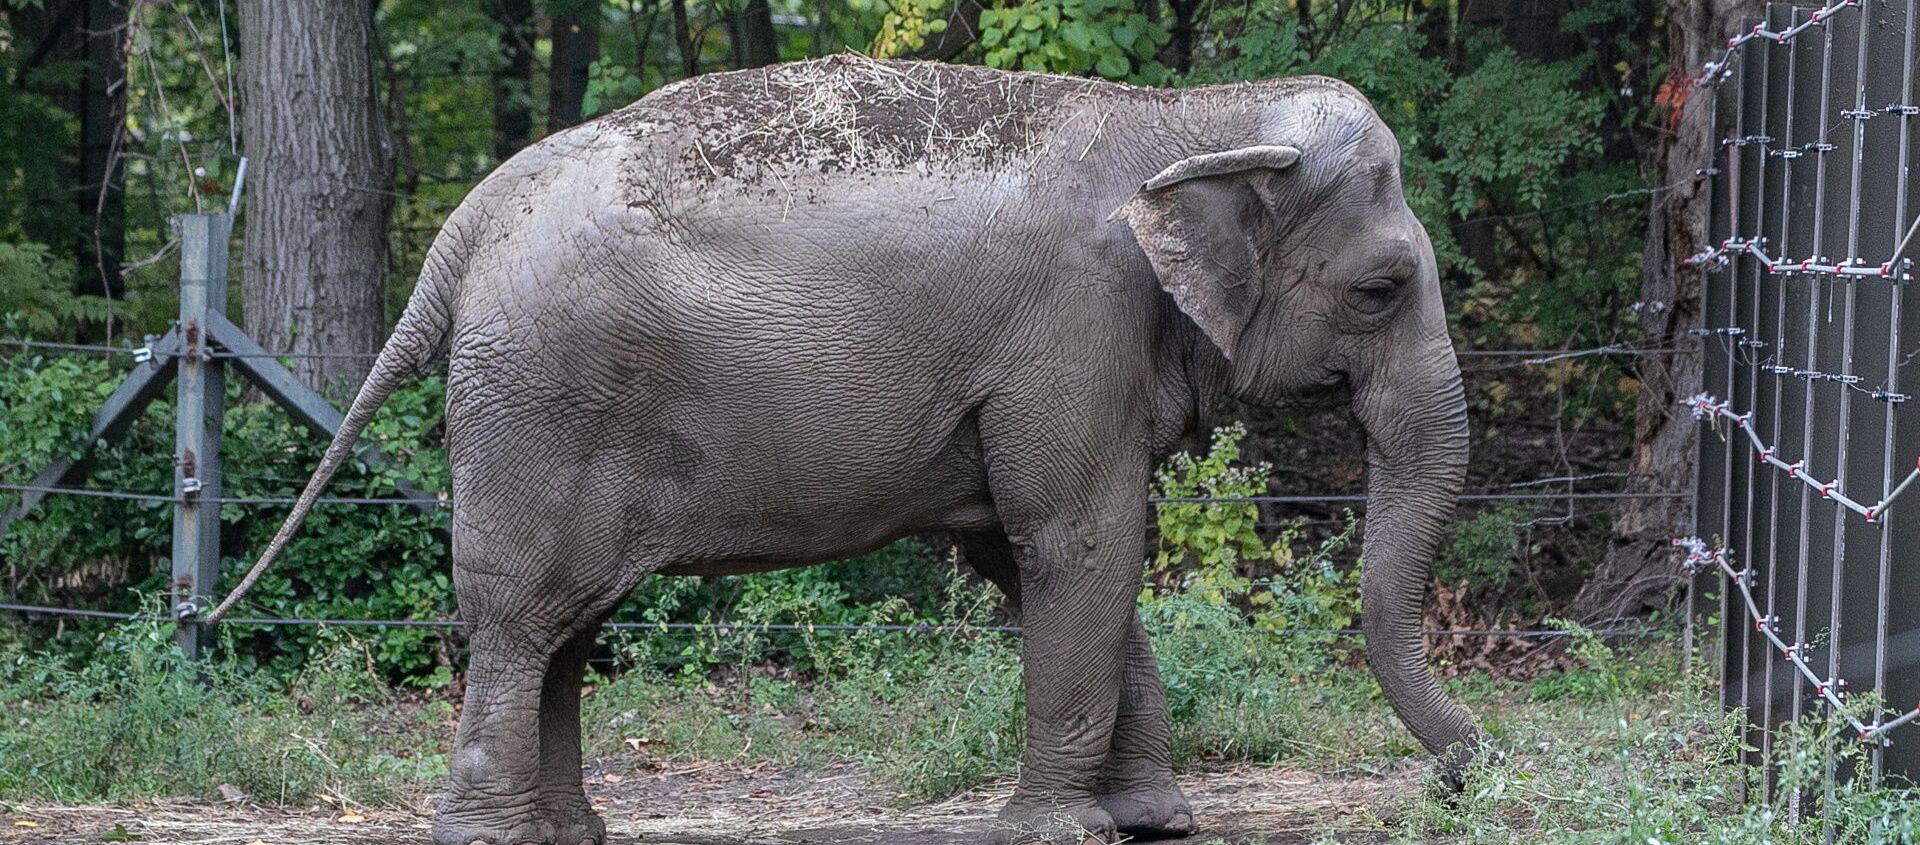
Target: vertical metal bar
[(1771, 327), (198, 414), (1749, 163), (1897, 675), (1804, 296), (1839, 176), (1872, 462), (1711, 472)]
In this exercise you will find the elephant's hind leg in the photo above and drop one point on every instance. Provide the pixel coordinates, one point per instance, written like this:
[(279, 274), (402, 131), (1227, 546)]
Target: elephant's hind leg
[(563, 799), (491, 797), (534, 583)]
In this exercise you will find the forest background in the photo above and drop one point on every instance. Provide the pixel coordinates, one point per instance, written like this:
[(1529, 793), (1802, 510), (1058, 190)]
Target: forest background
[(1547, 146)]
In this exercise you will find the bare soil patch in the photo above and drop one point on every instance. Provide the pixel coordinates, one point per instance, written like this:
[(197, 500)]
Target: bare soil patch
[(727, 804)]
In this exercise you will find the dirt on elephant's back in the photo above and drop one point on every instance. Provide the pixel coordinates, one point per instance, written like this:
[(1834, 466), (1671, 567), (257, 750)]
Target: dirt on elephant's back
[(720, 804)]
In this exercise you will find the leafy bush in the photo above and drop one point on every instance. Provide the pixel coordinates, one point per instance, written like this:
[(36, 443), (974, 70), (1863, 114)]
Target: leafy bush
[(1212, 553), (1108, 37)]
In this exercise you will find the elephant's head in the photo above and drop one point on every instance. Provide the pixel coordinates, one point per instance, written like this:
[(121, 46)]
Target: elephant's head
[(1299, 258)]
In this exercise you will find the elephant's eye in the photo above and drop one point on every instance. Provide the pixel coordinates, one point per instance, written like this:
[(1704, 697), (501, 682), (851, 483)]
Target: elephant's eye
[(1373, 295)]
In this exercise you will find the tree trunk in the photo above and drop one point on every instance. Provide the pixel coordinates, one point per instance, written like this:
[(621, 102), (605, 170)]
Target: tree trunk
[(318, 186), (1178, 54), (93, 33), (576, 45), (750, 32), (513, 80), (1638, 573), (1530, 27), (683, 37)]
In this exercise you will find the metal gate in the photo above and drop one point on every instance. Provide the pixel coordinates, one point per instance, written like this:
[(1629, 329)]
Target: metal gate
[(1808, 516)]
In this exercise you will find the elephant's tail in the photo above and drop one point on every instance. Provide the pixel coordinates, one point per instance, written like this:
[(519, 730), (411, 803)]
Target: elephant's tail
[(419, 339)]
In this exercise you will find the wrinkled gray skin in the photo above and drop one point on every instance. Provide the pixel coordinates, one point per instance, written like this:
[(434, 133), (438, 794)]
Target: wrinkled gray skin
[(776, 317)]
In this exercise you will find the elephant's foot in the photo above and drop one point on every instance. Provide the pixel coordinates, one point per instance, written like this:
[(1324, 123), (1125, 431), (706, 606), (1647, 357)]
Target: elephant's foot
[(1053, 824), (1150, 812), (574, 821), (492, 828)]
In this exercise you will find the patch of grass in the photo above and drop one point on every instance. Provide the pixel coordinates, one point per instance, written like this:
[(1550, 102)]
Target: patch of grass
[(137, 721), (1615, 750), (1637, 752)]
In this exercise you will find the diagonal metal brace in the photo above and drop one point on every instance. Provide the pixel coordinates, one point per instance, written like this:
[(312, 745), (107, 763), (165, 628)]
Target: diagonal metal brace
[(307, 406), (121, 408)]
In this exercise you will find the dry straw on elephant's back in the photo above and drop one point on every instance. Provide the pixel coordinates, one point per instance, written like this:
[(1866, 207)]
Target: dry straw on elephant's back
[(851, 113)]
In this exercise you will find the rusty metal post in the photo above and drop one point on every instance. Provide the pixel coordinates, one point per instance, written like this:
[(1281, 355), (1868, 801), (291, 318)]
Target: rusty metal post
[(199, 412)]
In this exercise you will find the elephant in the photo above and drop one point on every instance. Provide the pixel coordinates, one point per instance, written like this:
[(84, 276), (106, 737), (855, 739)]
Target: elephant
[(774, 317)]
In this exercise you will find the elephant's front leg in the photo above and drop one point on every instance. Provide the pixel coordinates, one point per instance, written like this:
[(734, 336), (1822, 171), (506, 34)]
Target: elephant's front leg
[(1079, 576), (1137, 786)]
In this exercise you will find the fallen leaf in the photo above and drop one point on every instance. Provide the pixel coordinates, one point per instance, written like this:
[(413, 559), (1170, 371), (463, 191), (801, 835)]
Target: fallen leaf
[(119, 834), (611, 778), (352, 817)]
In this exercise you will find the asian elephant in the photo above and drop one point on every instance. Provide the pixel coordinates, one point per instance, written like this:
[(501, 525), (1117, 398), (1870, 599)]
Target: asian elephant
[(780, 316)]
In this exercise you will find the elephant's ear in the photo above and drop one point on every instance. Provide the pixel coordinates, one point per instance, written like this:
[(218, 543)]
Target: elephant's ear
[(1197, 223)]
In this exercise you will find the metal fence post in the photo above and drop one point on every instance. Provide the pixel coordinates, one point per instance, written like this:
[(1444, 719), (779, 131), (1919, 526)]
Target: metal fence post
[(198, 415)]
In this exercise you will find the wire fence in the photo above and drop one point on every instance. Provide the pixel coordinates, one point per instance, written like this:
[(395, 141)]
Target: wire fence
[(1529, 491), (1810, 455), (789, 627)]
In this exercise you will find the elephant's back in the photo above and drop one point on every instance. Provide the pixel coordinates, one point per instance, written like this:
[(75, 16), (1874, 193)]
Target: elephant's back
[(850, 114)]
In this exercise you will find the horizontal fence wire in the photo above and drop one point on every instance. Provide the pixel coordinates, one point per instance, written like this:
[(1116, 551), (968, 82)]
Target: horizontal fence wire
[(1354, 498), (789, 627), (1533, 357), (1830, 690)]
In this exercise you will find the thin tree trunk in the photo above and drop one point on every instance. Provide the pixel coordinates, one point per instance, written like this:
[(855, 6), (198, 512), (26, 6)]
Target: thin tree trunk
[(318, 186), (1178, 54), (94, 34), (513, 80), (750, 32), (576, 45), (102, 113), (1638, 573), (683, 36)]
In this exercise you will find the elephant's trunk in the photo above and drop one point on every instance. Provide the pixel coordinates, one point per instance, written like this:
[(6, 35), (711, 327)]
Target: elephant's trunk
[(1415, 416)]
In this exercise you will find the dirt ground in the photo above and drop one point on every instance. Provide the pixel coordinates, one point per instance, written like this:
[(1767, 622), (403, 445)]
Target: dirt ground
[(721, 804)]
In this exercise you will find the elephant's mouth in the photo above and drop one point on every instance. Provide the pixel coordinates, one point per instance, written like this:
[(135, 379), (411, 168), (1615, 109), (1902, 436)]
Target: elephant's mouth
[(1335, 392)]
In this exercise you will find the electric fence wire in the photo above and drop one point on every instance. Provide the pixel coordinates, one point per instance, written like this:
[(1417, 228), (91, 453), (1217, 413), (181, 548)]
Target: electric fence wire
[(789, 627), (1354, 498), (1533, 357), (1720, 70), (1832, 690), (1705, 406)]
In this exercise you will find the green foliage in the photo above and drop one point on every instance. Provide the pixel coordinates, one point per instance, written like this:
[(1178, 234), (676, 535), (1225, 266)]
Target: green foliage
[(905, 25), (1212, 553), (1510, 126), (1108, 37), (347, 562), (1480, 554), (1646, 757)]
